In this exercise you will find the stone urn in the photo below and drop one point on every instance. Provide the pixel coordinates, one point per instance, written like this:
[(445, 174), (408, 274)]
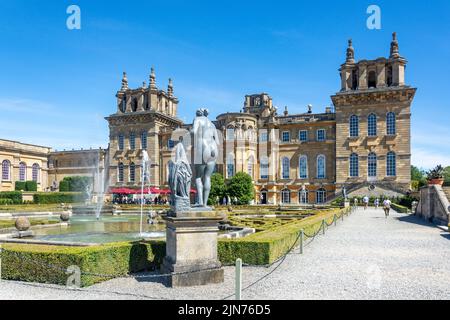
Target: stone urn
[(65, 216), (22, 224)]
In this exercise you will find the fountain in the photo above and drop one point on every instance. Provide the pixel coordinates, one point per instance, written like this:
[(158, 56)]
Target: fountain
[(101, 187), (145, 175)]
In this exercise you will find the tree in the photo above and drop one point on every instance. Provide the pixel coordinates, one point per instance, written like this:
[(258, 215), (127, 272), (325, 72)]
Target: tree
[(447, 176), (418, 178), (241, 187), (218, 188)]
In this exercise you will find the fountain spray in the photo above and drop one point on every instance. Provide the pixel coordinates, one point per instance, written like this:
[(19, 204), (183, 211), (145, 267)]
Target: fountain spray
[(145, 175)]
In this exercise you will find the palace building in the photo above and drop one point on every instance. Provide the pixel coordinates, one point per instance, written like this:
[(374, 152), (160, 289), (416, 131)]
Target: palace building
[(362, 141)]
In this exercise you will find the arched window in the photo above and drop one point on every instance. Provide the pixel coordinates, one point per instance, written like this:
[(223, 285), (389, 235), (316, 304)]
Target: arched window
[(372, 125), (6, 165), (35, 172), (321, 196), (285, 166), (22, 171), (230, 133), (372, 165), (250, 164), (120, 172), (303, 167), (321, 173), (123, 104), (354, 126), (303, 196), (391, 164), (132, 172), (372, 79), (230, 165), (354, 80), (390, 124), (132, 141), (144, 140), (264, 168), (354, 165), (134, 104), (121, 142), (286, 196)]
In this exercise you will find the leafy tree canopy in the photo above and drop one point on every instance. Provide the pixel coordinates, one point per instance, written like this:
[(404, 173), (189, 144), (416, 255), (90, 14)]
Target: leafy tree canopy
[(241, 187)]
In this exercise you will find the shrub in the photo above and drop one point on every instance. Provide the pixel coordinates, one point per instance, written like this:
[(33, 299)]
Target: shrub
[(64, 186), (31, 186), (78, 183), (19, 185), (48, 264), (6, 201), (15, 196), (241, 187), (57, 197), (399, 208), (217, 188)]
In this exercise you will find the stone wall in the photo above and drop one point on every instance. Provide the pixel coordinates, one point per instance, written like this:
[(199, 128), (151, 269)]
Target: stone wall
[(434, 204)]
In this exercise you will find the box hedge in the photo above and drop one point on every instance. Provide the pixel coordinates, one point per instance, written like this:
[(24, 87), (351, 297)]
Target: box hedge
[(48, 264), (31, 186), (15, 196), (399, 208), (64, 186), (57, 197), (19, 185)]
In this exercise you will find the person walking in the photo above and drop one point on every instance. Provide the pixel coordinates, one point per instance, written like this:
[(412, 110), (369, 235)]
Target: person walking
[(377, 203), (387, 207), (355, 202), (366, 202)]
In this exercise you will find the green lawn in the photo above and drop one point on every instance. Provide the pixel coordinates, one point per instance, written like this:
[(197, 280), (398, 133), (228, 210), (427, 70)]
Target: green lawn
[(34, 222)]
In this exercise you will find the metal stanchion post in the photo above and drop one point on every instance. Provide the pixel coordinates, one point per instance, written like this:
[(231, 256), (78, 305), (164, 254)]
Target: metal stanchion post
[(238, 279), (335, 220), (301, 241)]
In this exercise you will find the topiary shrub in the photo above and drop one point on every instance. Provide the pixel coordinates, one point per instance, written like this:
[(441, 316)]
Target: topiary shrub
[(31, 186), (20, 185), (64, 186)]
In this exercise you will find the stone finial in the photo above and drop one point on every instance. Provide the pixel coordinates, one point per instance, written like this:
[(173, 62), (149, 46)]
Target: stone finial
[(170, 87), (152, 79), (144, 85), (310, 108), (124, 82), (286, 112), (350, 52), (394, 46)]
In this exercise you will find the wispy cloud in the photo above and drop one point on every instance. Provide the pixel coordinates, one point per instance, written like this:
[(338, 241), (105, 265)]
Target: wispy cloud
[(426, 158)]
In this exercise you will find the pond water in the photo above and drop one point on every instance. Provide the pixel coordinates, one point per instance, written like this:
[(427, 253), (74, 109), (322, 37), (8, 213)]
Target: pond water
[(87, 229)]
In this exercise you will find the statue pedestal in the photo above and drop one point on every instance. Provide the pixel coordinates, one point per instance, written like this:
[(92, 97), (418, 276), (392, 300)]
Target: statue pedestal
[(191, 249)]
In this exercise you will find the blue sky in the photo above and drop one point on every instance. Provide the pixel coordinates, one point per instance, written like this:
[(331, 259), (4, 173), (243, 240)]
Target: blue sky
[(56, 85)]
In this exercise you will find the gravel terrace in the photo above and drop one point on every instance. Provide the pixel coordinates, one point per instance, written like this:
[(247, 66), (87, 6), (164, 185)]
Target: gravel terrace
[(364, 257)]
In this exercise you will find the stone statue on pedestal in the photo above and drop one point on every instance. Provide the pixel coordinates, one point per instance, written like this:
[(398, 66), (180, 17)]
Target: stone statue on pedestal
[(206, 151), (180, 175)]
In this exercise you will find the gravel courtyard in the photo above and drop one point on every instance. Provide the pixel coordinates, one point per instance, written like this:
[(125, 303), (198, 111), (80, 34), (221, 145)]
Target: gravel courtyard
[(364, 257)]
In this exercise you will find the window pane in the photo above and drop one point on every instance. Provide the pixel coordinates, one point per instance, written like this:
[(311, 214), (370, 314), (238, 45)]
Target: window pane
[(321, 135), (303, 135), (5, 170), (285, 168), (132, 141), (286, 137), (372, 165), (144, 140), (303, 167), (121, 142), (391, 165), (354, 165), (372, 125), (390, 123), (132, 172), (321, 167)]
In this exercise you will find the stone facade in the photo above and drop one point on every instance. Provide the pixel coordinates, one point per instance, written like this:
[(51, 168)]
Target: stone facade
[(286, 153), (22, 162)]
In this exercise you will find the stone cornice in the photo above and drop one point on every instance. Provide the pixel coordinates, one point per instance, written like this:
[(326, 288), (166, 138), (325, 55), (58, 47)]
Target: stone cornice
[(374, 96), (137, 117)]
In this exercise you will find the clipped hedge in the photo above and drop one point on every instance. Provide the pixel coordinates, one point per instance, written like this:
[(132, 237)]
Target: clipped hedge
[(64, 186), (15, 196), (57, 197), (399, 208), (20, 185), (266, 247), (31, 186), (48, 264), (6, 202)]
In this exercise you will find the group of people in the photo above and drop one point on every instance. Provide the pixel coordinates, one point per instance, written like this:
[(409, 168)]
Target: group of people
[(124, 199), (386, 204)]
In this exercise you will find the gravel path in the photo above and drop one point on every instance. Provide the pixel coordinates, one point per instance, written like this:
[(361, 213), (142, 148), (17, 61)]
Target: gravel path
[(364, 257)]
